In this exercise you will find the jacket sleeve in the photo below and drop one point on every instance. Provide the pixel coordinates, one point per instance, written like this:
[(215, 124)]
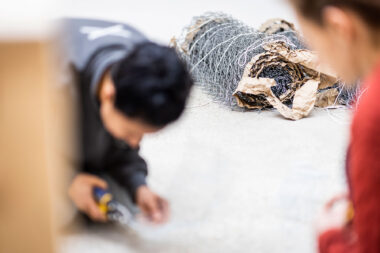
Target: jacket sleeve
[(364, 179), (364, 176), (337, 241), (131, 172)]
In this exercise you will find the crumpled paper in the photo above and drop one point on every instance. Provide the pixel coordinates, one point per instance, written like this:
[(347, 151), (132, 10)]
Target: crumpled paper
[(276, 25), (310, 86)]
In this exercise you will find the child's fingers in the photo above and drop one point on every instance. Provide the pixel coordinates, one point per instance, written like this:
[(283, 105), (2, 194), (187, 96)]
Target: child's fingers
[(334, 200), (97, 181), (94, 212), (154, 210), (165, 210), (144, 207)]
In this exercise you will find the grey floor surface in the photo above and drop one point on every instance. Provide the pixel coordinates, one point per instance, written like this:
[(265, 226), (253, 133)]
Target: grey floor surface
[(237, 182)]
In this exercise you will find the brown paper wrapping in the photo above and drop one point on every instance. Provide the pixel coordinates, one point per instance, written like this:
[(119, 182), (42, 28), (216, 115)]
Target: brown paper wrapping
[(298, 101)]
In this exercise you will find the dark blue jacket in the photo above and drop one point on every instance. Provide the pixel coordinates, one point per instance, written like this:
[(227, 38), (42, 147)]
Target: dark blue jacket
[(91, 47)]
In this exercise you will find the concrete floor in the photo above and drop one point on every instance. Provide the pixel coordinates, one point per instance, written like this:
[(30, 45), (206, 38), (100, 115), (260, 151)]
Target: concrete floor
[(237, 182)]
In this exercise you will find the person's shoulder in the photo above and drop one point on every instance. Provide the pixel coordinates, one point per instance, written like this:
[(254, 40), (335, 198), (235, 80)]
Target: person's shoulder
[(366, 119), (99, 23), (99, 28), (83, 20)]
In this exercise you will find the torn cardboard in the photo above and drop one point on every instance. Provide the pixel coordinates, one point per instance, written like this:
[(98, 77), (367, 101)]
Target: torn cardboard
[(273, 26), (309, 86)]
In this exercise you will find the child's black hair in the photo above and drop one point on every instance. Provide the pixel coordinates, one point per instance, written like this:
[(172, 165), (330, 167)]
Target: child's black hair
[(152, 84)]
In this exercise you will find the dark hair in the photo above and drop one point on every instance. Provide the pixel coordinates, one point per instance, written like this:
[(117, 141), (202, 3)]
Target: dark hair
[(368, 10), (152, 84)]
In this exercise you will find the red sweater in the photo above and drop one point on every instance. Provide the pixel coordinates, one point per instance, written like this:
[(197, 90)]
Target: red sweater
[(363, 172)]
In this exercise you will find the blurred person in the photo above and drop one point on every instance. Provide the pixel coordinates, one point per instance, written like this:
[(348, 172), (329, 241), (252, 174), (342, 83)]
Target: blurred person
[(346, 34), (126, 86)]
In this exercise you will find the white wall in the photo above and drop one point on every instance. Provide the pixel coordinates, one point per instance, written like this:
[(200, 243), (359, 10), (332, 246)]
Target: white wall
[(26, 18), (161, 19)]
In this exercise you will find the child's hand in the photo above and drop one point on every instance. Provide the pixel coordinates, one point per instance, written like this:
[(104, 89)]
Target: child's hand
[(152, 205), (334, 214), (81, 193)]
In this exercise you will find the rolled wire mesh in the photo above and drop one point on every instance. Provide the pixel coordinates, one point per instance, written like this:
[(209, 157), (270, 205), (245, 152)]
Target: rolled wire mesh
[(218, 47)]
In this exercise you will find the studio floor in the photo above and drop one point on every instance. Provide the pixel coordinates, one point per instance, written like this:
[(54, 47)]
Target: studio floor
[(236, 181)]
